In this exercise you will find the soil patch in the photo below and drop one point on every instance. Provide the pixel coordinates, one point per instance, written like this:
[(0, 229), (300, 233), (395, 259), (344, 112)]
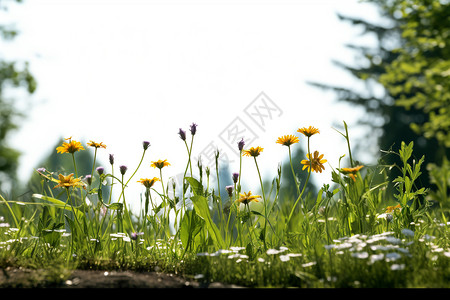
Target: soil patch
[(94, 279)]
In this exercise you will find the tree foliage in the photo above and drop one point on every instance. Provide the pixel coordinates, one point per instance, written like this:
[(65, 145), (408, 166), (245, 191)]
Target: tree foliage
[(419, 77), (410, 65), (13, 75)]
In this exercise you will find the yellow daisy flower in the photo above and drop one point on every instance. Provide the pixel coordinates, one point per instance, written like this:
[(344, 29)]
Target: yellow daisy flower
[(96, 145), (160, 164), (68, 181), (287, 140), (252, 151), (246, 198), (315, 162), (70, 147), (351, 172), (391, 209), (148, 183), (308, 131)]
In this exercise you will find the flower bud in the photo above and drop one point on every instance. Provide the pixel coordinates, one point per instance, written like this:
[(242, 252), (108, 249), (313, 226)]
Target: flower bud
[(241, 144), (182, 134), (123, 169), (235, 177), (100, 170)]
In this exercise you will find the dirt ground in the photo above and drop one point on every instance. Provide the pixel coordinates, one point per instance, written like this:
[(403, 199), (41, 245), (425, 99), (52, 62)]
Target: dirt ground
[(87, 279)]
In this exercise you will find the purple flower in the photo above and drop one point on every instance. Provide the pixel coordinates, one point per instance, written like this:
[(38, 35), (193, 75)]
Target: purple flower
[(241, 144), (193, 128), (182, 134), (123, 169), (235, 177), (100, 170), (145, 144), (229, 189), (134, 235), (41, 170), (89, 179), (111, 159)]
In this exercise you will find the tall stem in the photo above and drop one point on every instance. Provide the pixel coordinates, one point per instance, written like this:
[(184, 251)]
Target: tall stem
[(304, 186), (265, 203), (293, 173)]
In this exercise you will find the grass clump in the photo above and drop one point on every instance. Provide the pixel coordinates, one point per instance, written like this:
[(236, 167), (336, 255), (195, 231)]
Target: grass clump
[(361, 230)]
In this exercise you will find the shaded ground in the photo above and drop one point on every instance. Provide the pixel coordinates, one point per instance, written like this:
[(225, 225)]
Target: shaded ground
[(79, 279)]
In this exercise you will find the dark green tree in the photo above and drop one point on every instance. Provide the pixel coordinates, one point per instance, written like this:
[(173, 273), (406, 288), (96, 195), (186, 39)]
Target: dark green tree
[(391, 117), (14, 76)]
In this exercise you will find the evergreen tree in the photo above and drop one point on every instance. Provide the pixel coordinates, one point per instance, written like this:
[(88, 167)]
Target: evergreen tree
[(389, 119)]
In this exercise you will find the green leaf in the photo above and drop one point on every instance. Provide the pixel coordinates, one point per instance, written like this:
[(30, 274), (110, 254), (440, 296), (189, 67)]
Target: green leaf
[(114, 206), (196, 186), (202, 210), (191, 225), (59, 204)]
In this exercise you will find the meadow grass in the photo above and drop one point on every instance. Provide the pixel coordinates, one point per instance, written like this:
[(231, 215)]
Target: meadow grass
[(363, 231)]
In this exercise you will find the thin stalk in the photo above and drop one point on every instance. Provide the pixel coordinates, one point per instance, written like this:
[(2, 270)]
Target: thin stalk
[(293, 173), (304, 186), (265, 203)]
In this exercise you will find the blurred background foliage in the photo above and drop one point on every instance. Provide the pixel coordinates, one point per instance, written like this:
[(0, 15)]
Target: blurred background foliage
[(14, 76), (407, 87)]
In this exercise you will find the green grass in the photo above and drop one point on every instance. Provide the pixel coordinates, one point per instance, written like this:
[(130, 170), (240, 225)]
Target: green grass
[(343, 236)]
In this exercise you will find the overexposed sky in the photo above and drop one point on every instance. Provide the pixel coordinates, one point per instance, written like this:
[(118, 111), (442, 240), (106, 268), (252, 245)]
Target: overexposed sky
[(121, 72)]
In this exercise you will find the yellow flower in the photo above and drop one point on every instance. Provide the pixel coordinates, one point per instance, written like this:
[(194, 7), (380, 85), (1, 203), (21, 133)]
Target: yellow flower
[(351, 172), (68, 181), (390, 209), (308, 131), (70, 147), (252, 151), (315, 162), (160, 164), (287, 140), (96, 145), (148, 183), (246, 198)]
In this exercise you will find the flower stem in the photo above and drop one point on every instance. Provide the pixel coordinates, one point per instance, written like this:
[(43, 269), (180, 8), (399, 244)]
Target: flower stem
[(293, 173), (304, 186), (265, 203)]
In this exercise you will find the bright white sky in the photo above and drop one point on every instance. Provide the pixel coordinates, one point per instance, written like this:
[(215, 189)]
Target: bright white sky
[(121, 72)]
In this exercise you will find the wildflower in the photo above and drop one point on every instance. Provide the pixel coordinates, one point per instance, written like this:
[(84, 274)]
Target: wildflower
[(160, 164), (308, 131), (229, 189), (391, 209), (100, 170), (96, 145), (111, 159), (287, 140), (193, 128), (134, 235), (68, 181), (315, 162), (70, 147), (182, 134), (241, 144), (246, 198), (41, 170), (148, 183), (235, 177), (145, 144), (88, 179), (253, 151), (123, 169), (351, 172)]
